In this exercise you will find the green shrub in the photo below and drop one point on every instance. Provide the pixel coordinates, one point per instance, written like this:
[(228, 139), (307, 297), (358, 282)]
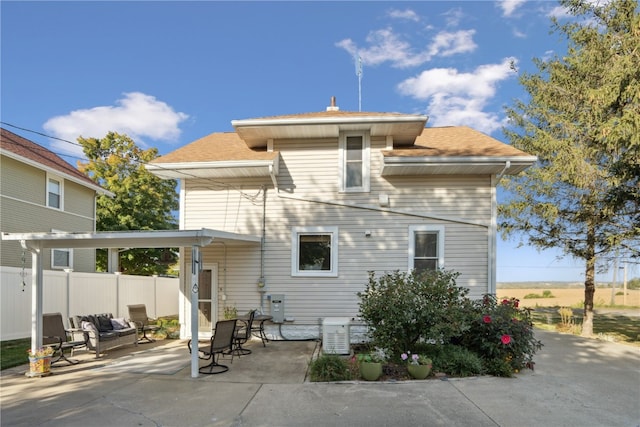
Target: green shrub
[(402, 309), (502, 335), (329, 367), (455, 360)]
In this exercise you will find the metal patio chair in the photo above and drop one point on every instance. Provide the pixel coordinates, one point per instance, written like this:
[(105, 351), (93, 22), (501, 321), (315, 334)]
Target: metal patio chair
[(138, 315), (60, 339), (220, 343)]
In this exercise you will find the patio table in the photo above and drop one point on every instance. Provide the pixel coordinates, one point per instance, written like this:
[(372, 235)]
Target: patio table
[(258, 325)]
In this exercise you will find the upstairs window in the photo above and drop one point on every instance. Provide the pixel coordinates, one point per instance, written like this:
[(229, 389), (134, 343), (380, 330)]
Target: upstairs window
[(426, 247), (61, 258), (354, 162), (54, 192), (314, 251)]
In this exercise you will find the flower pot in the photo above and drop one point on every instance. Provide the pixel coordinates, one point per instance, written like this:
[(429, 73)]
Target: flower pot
[(419, 372), (39, 366), (370, 371)]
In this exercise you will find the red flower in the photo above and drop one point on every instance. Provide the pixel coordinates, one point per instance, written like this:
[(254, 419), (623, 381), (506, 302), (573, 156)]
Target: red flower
[(516, 303), (505, 301), (486, 319), (506, 339)]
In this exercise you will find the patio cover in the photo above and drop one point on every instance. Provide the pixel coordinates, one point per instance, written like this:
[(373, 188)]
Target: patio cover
[(196, 239)]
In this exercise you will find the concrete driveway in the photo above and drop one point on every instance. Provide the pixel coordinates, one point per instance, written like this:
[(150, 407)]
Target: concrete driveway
[(577, 382)]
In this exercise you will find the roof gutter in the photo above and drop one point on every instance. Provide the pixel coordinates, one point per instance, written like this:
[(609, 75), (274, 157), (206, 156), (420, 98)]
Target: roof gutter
[(327, 120)]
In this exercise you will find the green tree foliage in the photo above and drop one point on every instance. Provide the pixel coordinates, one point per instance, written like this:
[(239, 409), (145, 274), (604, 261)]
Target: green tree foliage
[(142, 200), (582, 120)]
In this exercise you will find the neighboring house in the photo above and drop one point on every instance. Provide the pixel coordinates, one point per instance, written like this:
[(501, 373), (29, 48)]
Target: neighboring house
[(335, 195), (40, 192)]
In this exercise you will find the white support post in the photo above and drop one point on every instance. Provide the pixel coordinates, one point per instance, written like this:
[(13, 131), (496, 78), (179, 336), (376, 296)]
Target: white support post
[(195, 270), (36, 299)]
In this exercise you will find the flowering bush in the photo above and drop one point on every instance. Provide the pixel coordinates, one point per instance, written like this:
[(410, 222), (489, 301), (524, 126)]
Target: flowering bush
[(41, 352), (415, 359), (502, 335)]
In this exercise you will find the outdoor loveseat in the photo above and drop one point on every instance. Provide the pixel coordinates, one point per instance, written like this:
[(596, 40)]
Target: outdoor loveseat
[(103, 332)]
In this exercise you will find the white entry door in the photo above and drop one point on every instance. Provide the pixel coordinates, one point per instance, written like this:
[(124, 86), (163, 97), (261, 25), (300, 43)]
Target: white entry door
[(207, 304)]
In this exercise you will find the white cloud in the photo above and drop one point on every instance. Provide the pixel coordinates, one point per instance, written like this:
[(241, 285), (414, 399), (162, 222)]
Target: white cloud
[(447, 44), (407, 14), (456, 98), (137, 115), (453, 17), (509, 6), (386, 46)]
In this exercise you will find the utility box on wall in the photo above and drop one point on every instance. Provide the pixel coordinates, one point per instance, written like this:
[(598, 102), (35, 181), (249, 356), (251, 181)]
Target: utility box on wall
[(277, 308), (336, 335)]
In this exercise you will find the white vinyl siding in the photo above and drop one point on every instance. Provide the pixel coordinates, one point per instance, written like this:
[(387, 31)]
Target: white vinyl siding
[(461, 205)]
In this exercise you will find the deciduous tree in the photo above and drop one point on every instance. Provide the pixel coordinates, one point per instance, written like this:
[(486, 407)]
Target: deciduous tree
[(142, 200)]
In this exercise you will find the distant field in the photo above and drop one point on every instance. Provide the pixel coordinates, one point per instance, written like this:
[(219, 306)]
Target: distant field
[(566, 297)]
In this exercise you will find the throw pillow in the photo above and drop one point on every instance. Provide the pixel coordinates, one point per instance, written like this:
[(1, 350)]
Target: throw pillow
[(119, 323), (104, 324)]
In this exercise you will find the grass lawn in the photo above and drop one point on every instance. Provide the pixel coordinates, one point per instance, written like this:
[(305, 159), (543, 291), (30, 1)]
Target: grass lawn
[(14, 352), (612, 327)]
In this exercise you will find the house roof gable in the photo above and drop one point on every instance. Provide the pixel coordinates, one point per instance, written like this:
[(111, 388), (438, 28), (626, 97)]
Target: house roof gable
[(36, 155)]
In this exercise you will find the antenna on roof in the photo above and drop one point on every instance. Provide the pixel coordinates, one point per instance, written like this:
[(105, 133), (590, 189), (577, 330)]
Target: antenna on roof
[(358, 61)]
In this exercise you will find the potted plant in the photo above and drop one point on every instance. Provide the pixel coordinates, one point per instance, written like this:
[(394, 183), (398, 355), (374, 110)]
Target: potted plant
[(40, 361), (419, 366), (371, 364)]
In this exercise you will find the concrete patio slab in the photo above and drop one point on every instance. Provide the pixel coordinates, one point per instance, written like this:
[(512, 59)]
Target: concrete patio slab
[(577, 382)]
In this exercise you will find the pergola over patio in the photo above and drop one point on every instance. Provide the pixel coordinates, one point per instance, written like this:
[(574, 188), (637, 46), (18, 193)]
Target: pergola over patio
[(196, 239)]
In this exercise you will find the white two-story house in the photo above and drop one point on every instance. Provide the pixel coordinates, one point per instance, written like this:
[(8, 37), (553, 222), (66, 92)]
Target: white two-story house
[(334, 195)]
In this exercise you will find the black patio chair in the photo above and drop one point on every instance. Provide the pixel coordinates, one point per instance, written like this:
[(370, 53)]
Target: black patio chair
[(138, 315), (221, 343), (60, 339), (243, 334)]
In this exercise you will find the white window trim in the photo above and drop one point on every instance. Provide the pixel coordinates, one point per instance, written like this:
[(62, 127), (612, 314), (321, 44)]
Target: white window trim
[(61, 181), (412, 243), (295, 233), (61, 267), (366, 162)]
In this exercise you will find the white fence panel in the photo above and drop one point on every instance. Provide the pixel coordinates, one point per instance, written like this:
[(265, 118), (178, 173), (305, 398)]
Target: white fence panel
[(16, 303), (76, 293), (167, 296)]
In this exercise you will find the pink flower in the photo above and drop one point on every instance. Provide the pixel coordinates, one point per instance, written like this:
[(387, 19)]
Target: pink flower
[(404, 356), (506, 339), (486, 319)]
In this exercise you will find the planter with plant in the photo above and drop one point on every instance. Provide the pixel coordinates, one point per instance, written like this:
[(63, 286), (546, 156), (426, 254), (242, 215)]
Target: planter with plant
[(371, 364), (418, 366)]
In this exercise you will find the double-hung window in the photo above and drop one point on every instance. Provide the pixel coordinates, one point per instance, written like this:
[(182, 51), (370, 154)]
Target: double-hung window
[(54, 192), (354, 161), (314, 251), (426, 247)]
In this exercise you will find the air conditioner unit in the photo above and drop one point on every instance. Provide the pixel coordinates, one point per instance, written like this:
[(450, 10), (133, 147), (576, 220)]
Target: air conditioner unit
[(335, 335)]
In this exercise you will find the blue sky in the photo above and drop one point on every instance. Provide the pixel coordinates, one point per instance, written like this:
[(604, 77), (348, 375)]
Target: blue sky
[(168, 73)]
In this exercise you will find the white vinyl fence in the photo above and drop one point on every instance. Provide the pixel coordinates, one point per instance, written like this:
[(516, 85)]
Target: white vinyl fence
[(81, 293)]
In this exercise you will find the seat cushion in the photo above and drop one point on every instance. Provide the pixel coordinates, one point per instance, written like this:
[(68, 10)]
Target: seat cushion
[(126, 331)]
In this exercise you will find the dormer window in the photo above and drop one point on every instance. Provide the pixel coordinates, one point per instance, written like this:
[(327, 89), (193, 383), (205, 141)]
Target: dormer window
[(354, 162)]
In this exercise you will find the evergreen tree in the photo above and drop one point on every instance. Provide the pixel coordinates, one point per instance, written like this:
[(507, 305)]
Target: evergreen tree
[(582, 120)]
